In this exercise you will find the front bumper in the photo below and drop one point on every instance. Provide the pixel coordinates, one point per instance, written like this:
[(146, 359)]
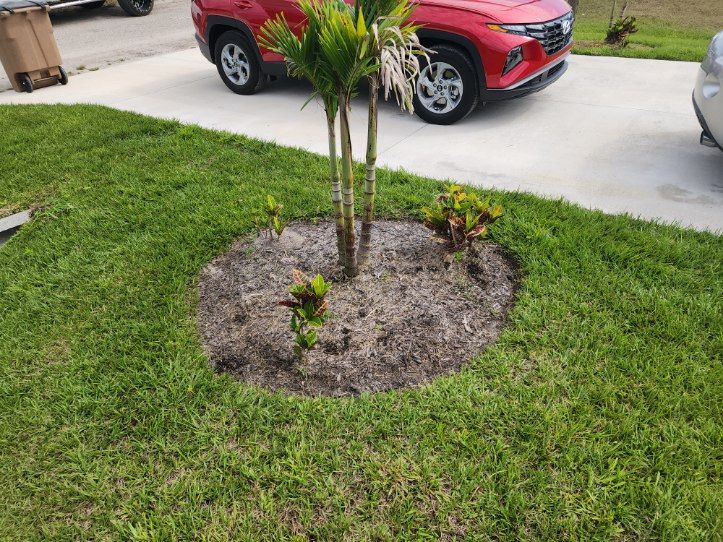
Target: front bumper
[(534, 83), (205, 49), (708, 101), (704, 125)]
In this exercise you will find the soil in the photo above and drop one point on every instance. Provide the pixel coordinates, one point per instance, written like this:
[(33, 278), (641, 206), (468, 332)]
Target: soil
[(415, 313)]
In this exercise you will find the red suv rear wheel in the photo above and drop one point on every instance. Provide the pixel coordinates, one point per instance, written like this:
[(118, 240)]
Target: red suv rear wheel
[(236, 63)]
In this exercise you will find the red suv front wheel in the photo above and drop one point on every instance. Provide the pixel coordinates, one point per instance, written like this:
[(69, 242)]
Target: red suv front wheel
[(446, 89)]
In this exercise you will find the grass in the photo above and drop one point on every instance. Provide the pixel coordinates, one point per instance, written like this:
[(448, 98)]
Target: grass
[(668, 29), (596, 416)]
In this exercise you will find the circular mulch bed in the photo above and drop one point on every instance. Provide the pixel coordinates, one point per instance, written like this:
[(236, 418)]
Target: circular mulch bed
[(415, 313)]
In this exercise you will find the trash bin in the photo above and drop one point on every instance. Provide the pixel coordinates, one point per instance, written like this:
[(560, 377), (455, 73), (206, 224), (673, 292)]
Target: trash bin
[(28, 50)]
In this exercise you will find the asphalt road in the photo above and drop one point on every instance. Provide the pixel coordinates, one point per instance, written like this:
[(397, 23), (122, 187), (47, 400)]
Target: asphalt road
[(93, 39)]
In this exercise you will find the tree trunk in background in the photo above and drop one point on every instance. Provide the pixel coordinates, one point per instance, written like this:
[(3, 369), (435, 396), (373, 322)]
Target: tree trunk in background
[(624, 9), (351, 268), (336, 186), (370, 181), (612, 15)]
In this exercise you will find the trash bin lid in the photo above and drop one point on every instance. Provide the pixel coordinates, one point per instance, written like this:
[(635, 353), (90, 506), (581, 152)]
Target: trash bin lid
[(12, 5)]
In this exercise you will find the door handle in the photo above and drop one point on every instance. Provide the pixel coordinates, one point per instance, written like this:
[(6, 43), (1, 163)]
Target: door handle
[(243, 4)]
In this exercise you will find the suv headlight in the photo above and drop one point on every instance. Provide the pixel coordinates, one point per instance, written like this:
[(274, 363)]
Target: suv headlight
[(715, 53), (517, 29)]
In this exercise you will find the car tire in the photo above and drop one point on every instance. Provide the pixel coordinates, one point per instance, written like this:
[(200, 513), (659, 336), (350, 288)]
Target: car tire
[(237, 63), (450, 95), (136, 8)]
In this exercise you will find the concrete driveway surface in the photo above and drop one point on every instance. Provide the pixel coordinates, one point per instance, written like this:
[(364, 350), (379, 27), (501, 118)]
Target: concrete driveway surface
[(613, 134)]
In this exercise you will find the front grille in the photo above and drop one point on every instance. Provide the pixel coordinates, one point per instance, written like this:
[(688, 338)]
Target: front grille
[(553, 35)]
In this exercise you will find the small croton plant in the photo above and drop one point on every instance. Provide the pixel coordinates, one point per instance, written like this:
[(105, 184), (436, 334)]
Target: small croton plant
[(619, 31), (272, 217), (309, 309), (461, 217)]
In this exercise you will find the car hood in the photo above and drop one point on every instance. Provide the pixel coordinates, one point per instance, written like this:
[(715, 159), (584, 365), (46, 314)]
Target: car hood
[(508, 11)]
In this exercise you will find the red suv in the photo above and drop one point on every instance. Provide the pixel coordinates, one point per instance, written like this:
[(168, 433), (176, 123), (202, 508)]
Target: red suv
[(484, 50)]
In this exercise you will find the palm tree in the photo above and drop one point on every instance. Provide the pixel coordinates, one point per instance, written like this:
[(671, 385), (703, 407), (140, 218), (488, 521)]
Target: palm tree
[(396, 49), (335, 51), (344, 47), (328, 55), (303, 61)]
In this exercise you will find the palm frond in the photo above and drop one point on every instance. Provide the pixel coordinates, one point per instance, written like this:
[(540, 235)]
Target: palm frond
[(396, 46), (399, 68)]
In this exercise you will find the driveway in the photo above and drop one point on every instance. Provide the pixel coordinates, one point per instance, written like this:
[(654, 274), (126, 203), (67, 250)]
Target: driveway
[(602, 137), (92, 39)]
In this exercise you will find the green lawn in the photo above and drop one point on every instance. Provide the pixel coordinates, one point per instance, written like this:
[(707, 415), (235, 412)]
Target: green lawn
[(668, 29), (596, 416)]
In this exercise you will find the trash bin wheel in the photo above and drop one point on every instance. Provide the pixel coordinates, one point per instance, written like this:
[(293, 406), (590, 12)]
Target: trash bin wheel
[(25, 82), (136, 8), (63, 77)]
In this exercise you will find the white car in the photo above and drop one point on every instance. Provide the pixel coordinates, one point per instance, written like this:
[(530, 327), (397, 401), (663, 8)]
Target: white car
[(134, 8), (708, 95)]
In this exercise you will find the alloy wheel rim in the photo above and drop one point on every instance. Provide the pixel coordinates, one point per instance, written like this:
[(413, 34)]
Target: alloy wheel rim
[(235, 64), (440, 88)]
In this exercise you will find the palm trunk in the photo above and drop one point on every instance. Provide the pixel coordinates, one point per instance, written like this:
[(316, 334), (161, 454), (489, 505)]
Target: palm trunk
[(335, 185), (370, 181), (351, 268)]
